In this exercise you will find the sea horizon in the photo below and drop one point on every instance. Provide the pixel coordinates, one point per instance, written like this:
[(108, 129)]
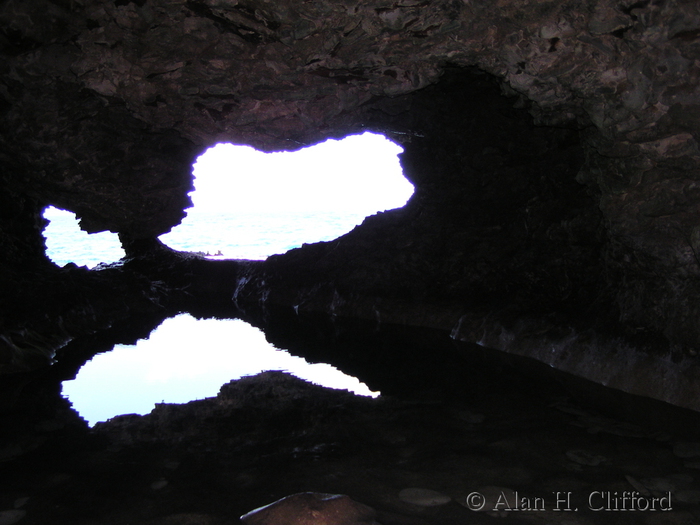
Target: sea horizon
[(241, 234)]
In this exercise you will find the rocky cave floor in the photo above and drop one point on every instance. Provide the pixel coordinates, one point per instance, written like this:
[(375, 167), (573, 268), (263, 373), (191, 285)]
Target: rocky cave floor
[(521, 438)]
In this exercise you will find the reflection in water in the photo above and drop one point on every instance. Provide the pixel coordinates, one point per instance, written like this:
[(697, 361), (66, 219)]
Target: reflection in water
[(182, 360)]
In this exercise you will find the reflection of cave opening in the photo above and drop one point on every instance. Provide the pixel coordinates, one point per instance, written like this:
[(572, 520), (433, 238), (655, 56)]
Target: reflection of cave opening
[(249, 204), (186, 359), (67, 243)]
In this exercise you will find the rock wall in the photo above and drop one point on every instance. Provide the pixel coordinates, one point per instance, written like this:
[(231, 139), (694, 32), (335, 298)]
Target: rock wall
[(553, 146)]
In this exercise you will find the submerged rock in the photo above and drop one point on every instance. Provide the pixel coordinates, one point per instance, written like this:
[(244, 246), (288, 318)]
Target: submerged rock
[(686, 450), (584, 457), (10, 517), (424, 497), (312, 508)]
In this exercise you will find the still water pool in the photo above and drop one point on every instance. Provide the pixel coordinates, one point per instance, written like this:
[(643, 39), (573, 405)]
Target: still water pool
[(186, 359)]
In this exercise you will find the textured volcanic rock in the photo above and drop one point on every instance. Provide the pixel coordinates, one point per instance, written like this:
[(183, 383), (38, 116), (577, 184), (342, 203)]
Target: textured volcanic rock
[(265, 437), (553, 146)]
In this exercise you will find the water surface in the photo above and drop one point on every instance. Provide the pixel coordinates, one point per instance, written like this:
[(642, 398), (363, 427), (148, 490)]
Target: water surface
[(186, 359)]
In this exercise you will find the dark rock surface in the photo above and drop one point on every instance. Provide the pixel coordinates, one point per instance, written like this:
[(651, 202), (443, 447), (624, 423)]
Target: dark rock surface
[(553, 147), (269, 436)]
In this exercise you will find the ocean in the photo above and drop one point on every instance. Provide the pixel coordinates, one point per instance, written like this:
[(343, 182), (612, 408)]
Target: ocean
[(257, 235), (247, 235), (131, 379)]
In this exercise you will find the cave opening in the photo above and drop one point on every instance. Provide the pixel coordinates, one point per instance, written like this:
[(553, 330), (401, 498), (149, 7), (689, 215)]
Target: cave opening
[(67, 243), (556, 226), (248, 204), (502, 230)]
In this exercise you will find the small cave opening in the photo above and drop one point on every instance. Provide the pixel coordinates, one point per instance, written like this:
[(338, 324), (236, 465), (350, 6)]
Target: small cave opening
[(133, 379), (67, 243), (250, 205)]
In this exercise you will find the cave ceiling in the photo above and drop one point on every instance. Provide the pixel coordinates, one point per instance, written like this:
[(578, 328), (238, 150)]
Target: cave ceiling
[(99, 96), (553, 146)]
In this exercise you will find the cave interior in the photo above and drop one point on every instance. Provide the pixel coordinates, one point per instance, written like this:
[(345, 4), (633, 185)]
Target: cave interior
[(530, 315)]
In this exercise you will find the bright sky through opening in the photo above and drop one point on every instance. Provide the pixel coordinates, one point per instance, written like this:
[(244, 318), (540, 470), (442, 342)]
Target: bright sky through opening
[(360, 174)]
